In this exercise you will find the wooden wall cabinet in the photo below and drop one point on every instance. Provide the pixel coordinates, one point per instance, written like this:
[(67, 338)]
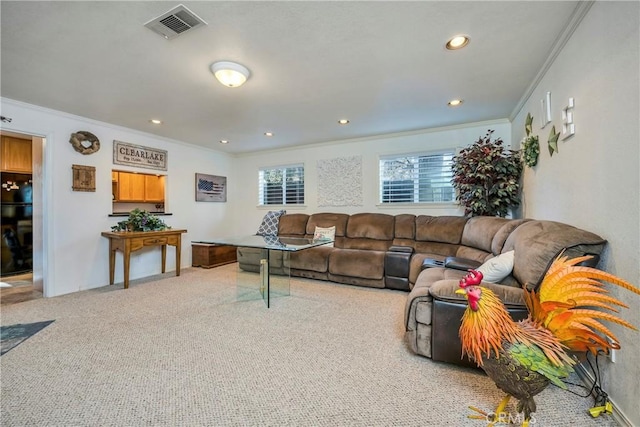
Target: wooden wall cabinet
[(16, 155), (136, 187), (154, 188), (130, 187)]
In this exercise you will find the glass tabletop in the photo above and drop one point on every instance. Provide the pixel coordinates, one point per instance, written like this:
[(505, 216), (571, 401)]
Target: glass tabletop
[(289, 244)]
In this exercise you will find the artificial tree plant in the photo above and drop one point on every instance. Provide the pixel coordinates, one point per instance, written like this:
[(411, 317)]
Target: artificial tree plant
[(486, 177)]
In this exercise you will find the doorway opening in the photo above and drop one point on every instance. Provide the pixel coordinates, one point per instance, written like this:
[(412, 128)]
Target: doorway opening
[(21, 262)]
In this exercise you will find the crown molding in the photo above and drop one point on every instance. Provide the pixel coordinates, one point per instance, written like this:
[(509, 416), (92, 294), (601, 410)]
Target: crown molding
[(574, 21)]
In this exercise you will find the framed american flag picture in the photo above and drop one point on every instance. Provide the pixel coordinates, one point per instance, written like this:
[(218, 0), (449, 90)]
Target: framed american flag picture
[(211, 188)]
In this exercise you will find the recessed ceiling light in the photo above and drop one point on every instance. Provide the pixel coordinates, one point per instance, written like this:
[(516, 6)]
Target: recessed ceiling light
[(457, 42), (224, 141), (268, 134), (156, 121), (343, 121), (455, 102)]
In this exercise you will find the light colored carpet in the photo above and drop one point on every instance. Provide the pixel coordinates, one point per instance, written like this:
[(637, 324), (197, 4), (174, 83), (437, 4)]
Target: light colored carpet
[(180, 351)]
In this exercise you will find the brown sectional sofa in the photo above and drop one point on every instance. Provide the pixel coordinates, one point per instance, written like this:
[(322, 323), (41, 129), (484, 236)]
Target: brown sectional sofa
[(389, 251)]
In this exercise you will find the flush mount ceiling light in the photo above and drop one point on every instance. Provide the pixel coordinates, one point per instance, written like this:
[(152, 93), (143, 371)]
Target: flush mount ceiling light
[(268, 134), (457, 42), (455, 102), (224, 141), (229, 73), (343, 121), (156, 121)]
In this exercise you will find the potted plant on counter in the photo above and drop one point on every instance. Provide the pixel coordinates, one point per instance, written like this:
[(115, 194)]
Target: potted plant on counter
[(140, 220), (486, 177)]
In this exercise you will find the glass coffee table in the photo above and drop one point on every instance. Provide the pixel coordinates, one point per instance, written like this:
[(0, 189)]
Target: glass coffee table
[(269, 285)]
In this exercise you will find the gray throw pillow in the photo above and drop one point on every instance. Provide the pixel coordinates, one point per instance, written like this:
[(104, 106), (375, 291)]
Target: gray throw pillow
[(270, 222)]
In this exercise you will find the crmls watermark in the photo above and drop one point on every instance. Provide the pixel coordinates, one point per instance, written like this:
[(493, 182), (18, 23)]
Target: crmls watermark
[(508, 418)]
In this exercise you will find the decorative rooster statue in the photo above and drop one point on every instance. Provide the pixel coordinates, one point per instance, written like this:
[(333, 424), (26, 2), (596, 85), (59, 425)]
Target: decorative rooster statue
[(522, 358)]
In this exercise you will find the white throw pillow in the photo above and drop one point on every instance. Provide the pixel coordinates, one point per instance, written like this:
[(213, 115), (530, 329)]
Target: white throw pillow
[(497, 268), (328, 233)]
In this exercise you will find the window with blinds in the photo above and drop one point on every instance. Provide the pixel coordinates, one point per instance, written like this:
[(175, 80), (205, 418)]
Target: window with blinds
[(416, 178), (281, 186)]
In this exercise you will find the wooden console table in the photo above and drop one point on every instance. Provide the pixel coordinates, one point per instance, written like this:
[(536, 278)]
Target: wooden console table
[(131, 241)]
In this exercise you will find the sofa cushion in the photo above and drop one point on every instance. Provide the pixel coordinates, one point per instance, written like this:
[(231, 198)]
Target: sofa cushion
[(473, 254), (443, 249), (405, 226), (415, 264), (444, 229), (538, 243), (293, 224), (312, 259), (429, 276), (495, 269), (367, 244), (326, 220), (357, 263), (479, 231), (371, 226), (503, 233)]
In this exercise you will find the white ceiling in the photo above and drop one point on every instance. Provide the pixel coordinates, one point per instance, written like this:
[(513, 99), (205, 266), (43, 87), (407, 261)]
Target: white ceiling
[(382, 65)]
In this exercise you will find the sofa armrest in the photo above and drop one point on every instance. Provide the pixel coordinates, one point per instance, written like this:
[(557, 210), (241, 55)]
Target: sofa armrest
[(403, 249), (461, 263), (431, 263), (444, 290), (445, 325), (396, 267)]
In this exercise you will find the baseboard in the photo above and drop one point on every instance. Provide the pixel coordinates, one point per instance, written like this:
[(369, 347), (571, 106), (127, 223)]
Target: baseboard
[(587, 380)]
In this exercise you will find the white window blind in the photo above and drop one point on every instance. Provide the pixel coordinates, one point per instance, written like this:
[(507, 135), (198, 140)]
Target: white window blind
[(416, 178), (281, 185)]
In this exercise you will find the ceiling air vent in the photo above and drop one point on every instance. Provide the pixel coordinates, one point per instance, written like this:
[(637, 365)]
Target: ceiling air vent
[(175, 22)]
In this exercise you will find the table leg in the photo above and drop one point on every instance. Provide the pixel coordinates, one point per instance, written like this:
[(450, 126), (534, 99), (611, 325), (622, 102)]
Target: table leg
[(126, 257), (268, 278), (178, 247), (112, 262), (164, 258)]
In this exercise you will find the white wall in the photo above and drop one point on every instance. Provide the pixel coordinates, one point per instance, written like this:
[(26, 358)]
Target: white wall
[(76, 254), (593, 181), (370, 149)]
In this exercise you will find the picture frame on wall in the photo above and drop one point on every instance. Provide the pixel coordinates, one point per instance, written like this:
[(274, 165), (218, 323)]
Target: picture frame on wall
[(211, 188)]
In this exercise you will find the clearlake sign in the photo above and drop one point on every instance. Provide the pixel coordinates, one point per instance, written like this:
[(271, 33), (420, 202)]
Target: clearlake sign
[(137, 155)]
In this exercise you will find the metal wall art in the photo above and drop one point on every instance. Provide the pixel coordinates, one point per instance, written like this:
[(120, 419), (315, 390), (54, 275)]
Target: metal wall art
[(211, 188)]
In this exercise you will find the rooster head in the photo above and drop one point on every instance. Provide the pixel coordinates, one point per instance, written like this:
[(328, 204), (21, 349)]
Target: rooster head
[(470, 289), (473, 277)]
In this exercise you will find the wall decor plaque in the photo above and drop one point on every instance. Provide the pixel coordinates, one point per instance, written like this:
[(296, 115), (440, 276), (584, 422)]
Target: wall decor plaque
[(137, 155), (340, 181), (84, 178), (211, 188), (84, 142)]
